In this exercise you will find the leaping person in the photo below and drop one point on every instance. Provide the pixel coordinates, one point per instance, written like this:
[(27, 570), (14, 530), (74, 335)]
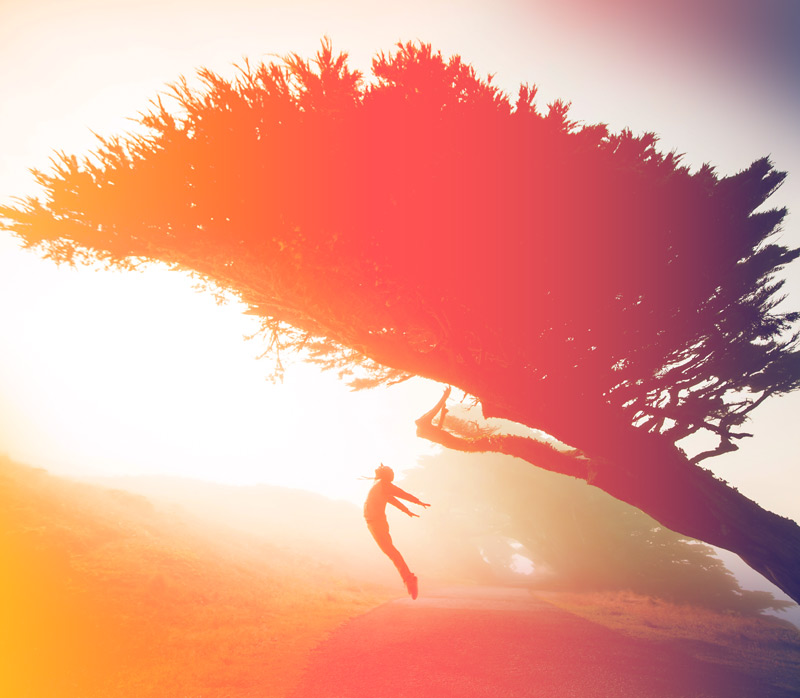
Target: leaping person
[(381, 493)]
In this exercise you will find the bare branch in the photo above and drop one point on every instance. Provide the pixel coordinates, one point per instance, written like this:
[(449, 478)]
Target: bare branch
[(725, 446)]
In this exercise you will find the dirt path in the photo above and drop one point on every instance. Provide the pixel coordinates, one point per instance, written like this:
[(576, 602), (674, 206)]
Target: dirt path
[(504, 643)]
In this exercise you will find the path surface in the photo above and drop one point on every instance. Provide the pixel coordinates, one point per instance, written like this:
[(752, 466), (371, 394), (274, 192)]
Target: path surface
[(504, 643)]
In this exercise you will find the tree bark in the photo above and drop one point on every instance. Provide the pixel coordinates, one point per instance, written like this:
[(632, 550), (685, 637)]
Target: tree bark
[(664, 484)]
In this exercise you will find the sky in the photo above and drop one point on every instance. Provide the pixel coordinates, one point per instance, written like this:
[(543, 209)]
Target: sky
[(112, 373)]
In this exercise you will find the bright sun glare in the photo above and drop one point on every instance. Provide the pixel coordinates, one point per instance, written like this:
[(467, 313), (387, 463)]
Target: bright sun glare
[(139, 373)]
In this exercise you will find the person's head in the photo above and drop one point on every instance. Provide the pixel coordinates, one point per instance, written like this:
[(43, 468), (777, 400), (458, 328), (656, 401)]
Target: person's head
[(384, 472)]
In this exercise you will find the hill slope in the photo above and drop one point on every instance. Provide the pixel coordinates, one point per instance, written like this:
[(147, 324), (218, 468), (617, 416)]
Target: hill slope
[(330, 531), (105, 595)]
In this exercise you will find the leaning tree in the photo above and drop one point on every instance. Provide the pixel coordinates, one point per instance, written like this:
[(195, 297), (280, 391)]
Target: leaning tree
[(573, 280)]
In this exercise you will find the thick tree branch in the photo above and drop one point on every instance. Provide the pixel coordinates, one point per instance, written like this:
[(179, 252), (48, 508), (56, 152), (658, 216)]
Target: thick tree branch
[(538, 452)]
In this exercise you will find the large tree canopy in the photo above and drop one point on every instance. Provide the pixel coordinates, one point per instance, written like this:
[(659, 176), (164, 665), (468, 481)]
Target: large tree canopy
[(574, 280)]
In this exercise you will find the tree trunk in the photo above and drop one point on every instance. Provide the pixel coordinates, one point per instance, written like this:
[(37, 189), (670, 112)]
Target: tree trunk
[(691, 501), (657, 478)]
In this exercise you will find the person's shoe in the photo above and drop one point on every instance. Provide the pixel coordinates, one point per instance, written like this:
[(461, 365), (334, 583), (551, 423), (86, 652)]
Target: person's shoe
[(412, 586)]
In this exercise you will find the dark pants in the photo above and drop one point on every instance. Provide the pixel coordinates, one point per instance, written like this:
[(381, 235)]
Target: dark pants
[(380, 532)]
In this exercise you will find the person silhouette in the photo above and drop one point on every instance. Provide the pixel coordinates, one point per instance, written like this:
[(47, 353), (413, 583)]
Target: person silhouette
[(384, 492)]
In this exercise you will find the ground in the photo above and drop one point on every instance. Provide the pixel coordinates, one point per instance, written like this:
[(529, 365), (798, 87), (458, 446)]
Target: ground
[(482, 642)]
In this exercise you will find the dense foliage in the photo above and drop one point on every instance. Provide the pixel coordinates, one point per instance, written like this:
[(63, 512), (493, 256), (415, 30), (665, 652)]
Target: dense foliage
[(426, 209)]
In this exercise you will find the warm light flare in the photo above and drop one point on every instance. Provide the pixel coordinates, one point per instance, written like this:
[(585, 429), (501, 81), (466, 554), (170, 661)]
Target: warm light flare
[(223, 590)]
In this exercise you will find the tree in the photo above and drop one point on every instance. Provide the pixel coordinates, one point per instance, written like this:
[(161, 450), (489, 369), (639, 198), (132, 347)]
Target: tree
[(574, 280)]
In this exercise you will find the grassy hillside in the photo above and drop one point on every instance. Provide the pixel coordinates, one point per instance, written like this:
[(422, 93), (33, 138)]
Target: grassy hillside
[(107, 593), (330, 531), (103, 594)]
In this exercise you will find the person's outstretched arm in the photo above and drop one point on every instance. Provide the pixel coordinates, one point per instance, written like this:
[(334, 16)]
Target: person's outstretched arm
[(402, 507), (395, 491)]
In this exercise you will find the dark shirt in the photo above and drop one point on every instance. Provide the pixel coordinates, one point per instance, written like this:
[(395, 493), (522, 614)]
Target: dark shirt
[(381, 493)]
